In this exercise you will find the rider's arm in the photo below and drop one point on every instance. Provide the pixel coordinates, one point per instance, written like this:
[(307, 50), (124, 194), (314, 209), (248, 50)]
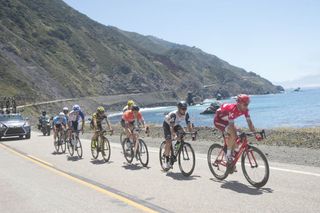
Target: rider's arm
[(108, 124), (94, 120), (250, 125), (188, 122), (82, 117), (141, 120)]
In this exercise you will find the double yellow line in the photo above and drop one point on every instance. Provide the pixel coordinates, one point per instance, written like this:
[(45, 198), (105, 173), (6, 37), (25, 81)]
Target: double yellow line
[(77, 180)]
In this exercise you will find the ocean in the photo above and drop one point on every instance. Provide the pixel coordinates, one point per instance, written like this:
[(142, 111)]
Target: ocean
[(288, 109)]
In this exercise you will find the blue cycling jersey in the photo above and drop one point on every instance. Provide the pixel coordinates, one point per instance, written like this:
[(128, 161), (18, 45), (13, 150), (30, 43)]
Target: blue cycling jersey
[(58, 120)]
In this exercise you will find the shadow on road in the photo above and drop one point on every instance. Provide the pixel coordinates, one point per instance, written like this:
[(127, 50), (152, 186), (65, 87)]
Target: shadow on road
[(179, 176), (12, 139), (243, 188), (58, 153), (73, 158), (99, 162), (134, 167)]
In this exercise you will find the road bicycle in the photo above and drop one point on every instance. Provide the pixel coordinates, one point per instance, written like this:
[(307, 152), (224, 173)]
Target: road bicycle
[(182, 151), (59, 144), (128, 147), (74, 144), (102, 145), (254, 163)]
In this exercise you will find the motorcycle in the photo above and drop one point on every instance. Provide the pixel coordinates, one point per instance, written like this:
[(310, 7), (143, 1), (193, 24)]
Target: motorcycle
[(45, 126)]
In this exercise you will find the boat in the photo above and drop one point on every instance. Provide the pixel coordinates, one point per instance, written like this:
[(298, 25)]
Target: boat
[(297, 89), (211, 109)]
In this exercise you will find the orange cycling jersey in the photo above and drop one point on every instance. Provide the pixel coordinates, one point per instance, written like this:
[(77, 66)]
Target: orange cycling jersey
[(128, 116)]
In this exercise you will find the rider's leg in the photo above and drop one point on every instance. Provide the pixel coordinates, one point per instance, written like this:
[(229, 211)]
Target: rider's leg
[(231, 137), (168, 144), (94, 138), (54, 133), (136, 142)]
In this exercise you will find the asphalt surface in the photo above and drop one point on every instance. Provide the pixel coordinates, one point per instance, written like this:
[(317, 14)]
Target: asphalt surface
[(33, 178)]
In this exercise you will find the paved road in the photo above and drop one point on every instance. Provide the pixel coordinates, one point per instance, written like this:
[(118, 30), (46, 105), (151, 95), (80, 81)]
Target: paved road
[(35, 179)]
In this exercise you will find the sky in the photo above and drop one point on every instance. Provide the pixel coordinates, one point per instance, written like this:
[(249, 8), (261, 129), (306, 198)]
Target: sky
[(277, 39)]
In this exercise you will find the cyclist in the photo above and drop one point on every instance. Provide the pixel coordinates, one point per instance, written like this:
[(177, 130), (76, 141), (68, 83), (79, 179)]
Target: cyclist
[(43, 118), (172, 128), (224, 121), (75, 116), (127, 107), (65, 110), (133, 119), (59, 122), (97, 119)]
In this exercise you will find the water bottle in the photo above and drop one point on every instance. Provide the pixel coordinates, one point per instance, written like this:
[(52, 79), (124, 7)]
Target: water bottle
[(177, 146)]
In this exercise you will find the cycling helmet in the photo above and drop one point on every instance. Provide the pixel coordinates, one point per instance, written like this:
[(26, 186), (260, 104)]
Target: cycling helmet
[(243, 98), (182, 105), (65, 109), (130, 103), (135, 108), (76, 108), (100, 109), (61, 115), (44, 112)]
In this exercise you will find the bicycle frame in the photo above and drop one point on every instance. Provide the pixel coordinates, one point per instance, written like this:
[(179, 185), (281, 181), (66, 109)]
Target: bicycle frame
[(182, 142), (242, 139)]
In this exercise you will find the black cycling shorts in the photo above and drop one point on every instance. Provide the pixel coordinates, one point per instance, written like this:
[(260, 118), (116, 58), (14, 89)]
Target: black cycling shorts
[(74, 125), (167, 132), (123, 123), (58, 126)]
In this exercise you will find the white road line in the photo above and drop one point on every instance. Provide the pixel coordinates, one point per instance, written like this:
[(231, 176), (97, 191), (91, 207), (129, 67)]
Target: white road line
[(295, 171), (153, 150)]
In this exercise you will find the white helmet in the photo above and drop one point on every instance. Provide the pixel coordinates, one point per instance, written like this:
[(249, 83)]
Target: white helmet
[(61, 115), (76, 108), (65, 109)]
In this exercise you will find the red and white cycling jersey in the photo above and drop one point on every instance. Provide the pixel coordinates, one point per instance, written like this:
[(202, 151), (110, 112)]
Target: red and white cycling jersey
[(226, 114)]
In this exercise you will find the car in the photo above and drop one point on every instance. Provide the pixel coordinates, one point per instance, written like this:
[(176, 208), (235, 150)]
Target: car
[(14, 125)]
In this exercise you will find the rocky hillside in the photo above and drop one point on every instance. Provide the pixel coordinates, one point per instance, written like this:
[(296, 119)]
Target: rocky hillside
[(49, 50)]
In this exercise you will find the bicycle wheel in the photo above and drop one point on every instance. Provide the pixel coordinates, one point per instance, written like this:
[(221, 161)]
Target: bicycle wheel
[(63, 146), (216, 161), (79, 148), (143, 153), (94, 149), (128, 150), (56, 143), (70, 147), (121, 138), (162, 157), (186, 159), (106, 150), (255, 167), (62, 142)]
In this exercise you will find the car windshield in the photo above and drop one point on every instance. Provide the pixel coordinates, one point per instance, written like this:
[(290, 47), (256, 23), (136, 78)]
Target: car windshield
[(11, 118)]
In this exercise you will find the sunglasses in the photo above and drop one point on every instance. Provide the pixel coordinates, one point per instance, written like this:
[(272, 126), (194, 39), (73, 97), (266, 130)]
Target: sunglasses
[(184, 109)]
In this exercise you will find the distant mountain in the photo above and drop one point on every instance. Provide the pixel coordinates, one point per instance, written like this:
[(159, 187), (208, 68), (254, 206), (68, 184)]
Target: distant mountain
[(49, 50), (307, 81)]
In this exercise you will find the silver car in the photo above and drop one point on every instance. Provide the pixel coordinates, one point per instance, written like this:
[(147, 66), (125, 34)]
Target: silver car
[(14, 125)]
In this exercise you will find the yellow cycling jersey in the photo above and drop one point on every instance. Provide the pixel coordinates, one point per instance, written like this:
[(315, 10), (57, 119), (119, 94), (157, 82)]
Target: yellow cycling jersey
[(99, 118)]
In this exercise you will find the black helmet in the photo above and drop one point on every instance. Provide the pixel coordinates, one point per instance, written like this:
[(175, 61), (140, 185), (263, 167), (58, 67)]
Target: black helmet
[(135, 108), (182, 105)]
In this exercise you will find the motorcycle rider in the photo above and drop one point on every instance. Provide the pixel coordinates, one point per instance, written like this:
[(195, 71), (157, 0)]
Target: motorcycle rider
[(43, 118)]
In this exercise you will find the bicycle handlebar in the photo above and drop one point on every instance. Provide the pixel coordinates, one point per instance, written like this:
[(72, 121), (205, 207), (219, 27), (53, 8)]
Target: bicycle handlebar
[(193, 134), (250, 134), (105, 131)]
